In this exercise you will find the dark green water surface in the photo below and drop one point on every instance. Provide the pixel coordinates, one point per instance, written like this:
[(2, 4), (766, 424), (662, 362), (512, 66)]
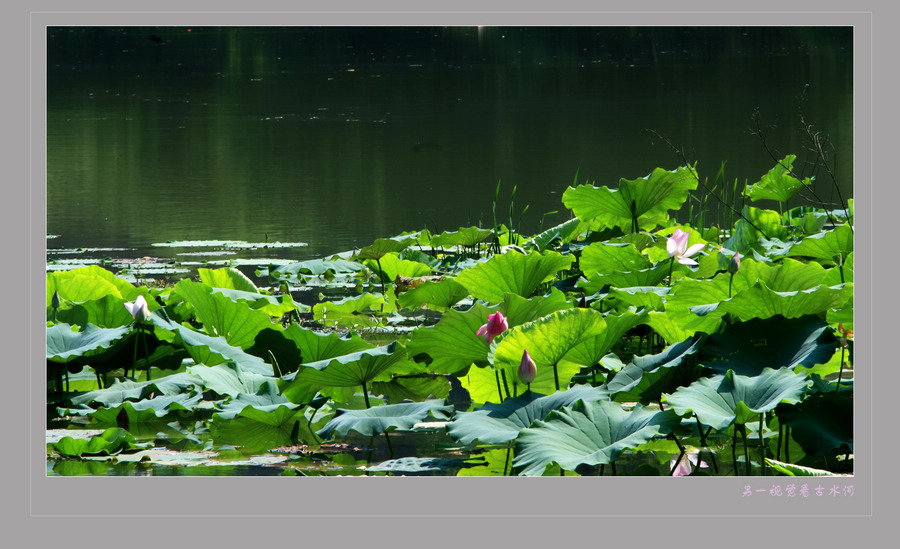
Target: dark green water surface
[(336, 136)]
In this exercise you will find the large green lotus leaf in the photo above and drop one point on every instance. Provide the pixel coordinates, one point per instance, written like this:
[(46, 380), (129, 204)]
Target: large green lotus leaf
[(120, 391), (827, 246), (676, 325), (295, 345), (452, 346), (603, 258), (438, 296), (392, 266), (627, 279), (352, 311), (255, 429), (561, 234), (822, 423), (721, 400), (205, 349), (548, 339), (792, 275), (589, 433), (747, 234), (354, 369), (468, 236), (315, 346), (228, 379), (512, 273), (314, 267), (646, 378), (107, 312), (274, 306), (383, 246), (413, 387), (789, 276), (650, 297), (760, 301), (487, 385), (593, 349), (221, 316), (775, 342), (89, 283), (500, 423), (778, 183), (64, 344), (380, 419), (140, 418), (648, 199), (227, 278), (111, 442)]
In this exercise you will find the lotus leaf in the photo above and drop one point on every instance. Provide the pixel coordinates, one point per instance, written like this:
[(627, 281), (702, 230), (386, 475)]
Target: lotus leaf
[(438, 296), (778, 184), (827, 246), (378, 420), (646, 378), (588, 433), (221, 316), (822, 423), (512, 273), (643, 201), (500, 423), (721, 400)]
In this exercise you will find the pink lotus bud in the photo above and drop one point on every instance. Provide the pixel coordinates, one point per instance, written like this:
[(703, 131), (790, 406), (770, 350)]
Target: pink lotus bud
[(735, 264), (496, 325), (527, 368), (138, 309)]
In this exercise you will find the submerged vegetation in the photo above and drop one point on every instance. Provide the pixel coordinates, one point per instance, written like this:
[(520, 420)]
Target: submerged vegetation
[(620, 342)]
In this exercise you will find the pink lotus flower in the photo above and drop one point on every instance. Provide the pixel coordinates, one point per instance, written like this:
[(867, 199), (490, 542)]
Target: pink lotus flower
[(676, 245), (496, 325), (684, 464), (527, 368), (138, 309)]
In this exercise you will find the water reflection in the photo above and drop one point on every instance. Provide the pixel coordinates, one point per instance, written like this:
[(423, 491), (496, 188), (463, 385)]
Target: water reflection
[(335, 136)]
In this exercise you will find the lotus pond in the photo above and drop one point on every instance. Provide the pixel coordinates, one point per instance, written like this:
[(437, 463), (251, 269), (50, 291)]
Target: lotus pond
[(620, 342)]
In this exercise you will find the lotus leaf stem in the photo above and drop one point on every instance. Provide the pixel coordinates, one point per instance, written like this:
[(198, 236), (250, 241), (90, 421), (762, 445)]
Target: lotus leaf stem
[(388, 439), (505, 385), (365, 394), (762, 444)]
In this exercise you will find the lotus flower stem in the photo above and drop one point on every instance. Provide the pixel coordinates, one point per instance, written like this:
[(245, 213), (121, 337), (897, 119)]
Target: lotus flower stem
[(134, 357), (730, 280), (671, 265)]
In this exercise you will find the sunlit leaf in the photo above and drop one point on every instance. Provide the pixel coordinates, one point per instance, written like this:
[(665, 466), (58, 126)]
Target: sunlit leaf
[(588, 433)]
